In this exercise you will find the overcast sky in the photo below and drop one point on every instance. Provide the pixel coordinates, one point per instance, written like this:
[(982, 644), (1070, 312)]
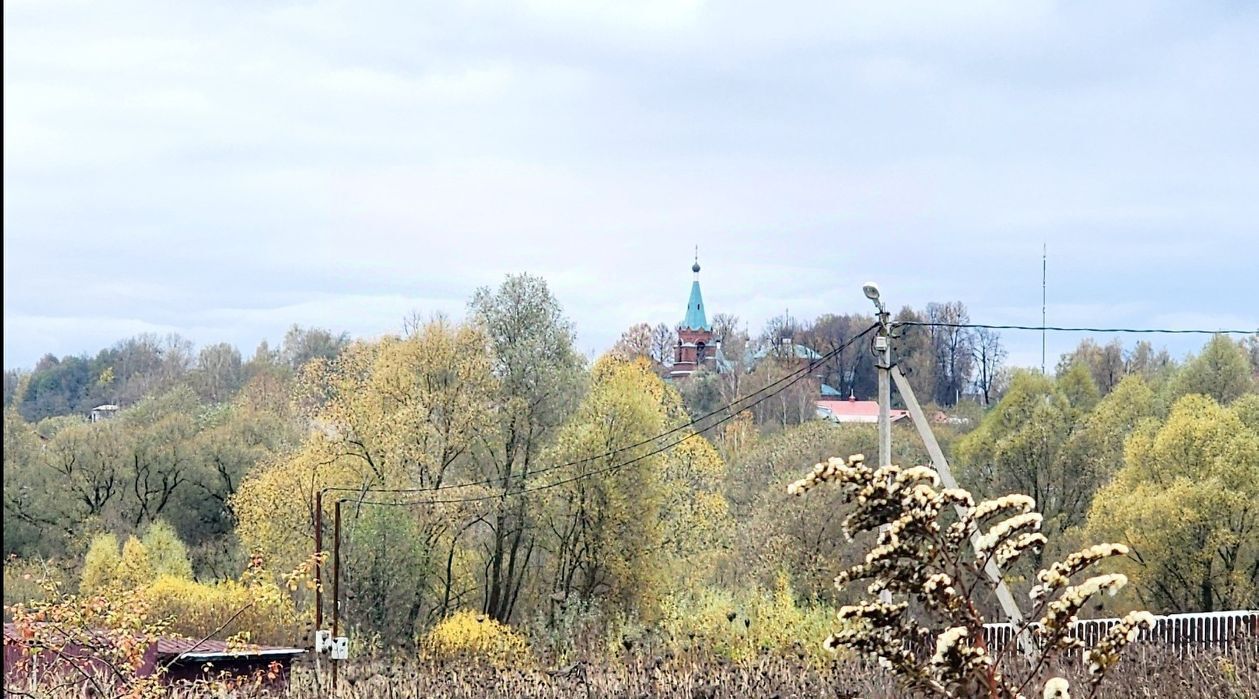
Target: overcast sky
[(223, 170)]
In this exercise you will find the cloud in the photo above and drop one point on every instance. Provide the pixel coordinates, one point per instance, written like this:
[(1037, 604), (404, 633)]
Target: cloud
[(215, 169)]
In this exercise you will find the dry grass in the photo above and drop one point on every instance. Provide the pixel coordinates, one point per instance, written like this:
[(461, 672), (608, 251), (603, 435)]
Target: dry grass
[(1147, 672)]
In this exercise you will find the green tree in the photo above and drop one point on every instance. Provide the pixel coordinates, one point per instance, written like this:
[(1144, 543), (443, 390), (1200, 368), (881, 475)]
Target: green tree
[(1222, 372), (1185, 502), (1018, 448), (539, 377), (1076, 383)]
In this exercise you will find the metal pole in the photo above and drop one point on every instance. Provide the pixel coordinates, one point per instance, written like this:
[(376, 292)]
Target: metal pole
[(318, 554), (336, 582)]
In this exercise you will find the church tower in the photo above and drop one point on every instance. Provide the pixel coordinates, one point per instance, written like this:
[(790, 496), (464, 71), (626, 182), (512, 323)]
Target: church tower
[(695, 335)]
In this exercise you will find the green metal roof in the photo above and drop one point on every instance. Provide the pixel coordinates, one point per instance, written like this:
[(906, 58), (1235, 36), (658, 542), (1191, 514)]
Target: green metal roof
[(695, 318)]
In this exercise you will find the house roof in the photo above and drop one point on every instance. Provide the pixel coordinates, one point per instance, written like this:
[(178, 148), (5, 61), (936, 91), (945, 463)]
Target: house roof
[(186, 648), (831, 392), (193, 649), (854, 411)]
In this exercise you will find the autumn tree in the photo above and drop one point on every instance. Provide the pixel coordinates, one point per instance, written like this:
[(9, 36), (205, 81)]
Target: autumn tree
[(301, 345), (401, 412), (538, 376), (952, 349), (1222, 372), (989, 355), (1018, 447), (623, 532), (1105, 362), (1184, 502)]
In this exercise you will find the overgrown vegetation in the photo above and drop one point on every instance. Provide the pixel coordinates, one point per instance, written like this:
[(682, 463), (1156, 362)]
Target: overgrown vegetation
[(575, 533)]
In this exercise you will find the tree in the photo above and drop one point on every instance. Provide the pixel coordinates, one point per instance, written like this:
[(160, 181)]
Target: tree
[(989, 355), (913, 350), (952, 349), (538, 376), (804, 538), (634, 342), (642, 521), (100, 566), (1184, 502), (304, 344), (1106, 364), (1222, 372), (219, 373), (1018, 448), (1076, 383), (13, 379), (662, 342), (135, 569), (398, 413), (166, 553), (849, 370)]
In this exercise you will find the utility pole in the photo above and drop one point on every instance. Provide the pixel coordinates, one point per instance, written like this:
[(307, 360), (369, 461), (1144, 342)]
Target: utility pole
[(883, 350), (336, 584), (888, 373)]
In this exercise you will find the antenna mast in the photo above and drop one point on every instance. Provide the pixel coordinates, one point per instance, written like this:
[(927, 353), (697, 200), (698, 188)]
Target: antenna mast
[(1044, 264)]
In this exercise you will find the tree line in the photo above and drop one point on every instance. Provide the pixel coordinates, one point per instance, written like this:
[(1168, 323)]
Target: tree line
[(536, 511)]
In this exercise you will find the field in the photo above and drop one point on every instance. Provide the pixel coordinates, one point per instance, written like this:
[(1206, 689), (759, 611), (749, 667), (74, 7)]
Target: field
[(1145, 672)]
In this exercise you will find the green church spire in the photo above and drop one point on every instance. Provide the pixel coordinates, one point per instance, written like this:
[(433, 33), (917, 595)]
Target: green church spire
[(695, 316)]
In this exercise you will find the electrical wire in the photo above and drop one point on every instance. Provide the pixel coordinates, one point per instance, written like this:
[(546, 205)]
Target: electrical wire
[(1050, 328), (800, 374), (794, 376)]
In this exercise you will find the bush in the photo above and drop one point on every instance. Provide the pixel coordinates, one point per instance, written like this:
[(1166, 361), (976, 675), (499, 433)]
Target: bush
[(197, 609), (472, 634), (746, 624)]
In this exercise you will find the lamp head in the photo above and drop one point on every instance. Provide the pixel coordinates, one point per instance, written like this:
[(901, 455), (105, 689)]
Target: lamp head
[(871, 291)]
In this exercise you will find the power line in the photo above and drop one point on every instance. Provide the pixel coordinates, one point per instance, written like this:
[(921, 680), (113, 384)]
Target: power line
[(1050, 328), (800, 374), (730, 407)]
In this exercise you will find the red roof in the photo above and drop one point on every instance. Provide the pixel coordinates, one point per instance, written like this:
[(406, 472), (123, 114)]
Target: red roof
[(856, 410)]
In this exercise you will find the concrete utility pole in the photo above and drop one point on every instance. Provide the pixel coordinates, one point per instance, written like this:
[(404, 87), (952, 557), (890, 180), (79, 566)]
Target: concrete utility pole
[(888, 373), (883, 348)]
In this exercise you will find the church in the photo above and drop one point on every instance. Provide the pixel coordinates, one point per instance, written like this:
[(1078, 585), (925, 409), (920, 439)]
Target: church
[(696, 345)]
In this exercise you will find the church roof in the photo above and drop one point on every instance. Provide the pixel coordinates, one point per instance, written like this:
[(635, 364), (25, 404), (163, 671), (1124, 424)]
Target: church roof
[(695, 318)]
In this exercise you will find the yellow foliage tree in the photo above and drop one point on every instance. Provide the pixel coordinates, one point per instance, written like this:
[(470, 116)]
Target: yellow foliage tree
[(619, 532), (100, 565), (135, 569), (1184, 502), (166, 552), (398, 413)]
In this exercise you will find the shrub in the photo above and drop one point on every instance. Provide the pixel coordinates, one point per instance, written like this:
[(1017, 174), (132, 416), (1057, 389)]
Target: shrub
[(472, 634), (746, 624), (266, 615), (931, 563)]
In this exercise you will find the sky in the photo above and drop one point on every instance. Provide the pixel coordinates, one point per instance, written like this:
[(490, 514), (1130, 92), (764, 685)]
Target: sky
[(224, 170)]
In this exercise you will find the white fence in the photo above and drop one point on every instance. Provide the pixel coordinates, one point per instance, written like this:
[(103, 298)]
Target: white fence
[(1219, 630)]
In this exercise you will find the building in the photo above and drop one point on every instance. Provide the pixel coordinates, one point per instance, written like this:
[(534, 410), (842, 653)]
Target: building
[(102, 412), (853, 410), (182, 661), (696, 346)]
